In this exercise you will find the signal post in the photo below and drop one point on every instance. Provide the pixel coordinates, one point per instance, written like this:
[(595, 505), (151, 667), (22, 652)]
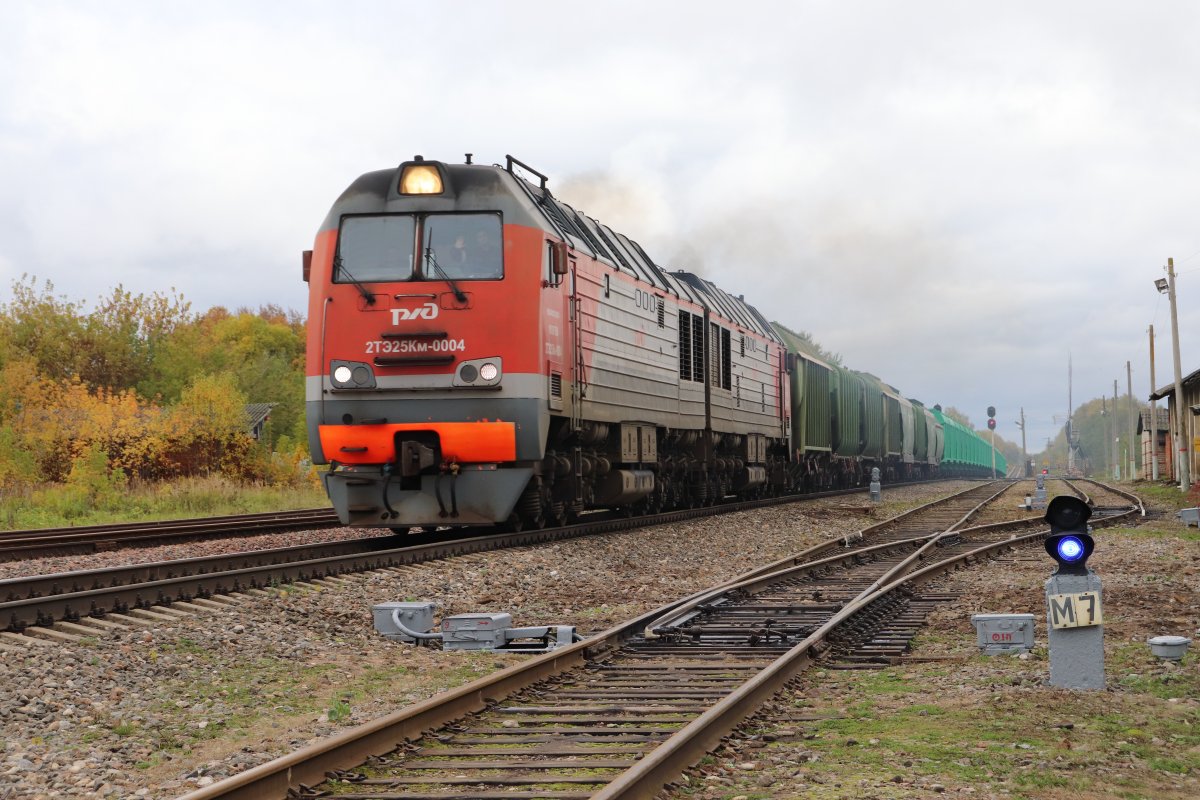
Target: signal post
[(1073, 599), (992, 427)]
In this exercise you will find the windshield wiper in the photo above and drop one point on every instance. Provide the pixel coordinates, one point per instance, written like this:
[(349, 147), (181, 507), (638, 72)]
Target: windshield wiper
[(340, 266), (431, 260)]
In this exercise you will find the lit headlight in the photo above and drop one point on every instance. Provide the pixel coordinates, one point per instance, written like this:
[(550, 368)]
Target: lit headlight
[(479, 373), (420, 179), (351, 375)]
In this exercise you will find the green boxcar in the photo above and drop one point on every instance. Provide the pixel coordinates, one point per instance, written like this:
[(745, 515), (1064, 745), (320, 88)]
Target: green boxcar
[(812, 425), (920, 433), (894, 423), (874, 418), (966, 452), (848, 436)]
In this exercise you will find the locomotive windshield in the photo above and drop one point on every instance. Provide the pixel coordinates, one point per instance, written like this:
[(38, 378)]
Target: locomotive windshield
[(375, 249), (451, 247)]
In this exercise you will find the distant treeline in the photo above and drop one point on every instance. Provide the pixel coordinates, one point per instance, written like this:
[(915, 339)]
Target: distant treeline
[(141, 387)]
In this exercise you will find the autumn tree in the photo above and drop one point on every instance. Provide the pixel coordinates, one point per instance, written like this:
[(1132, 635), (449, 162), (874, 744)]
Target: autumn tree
[(156, 389)]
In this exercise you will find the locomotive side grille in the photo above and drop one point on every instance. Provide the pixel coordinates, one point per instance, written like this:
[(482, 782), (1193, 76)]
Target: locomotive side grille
[(662, 313), (555, 384), (685, 346), (720, 357), (714, 354), (698, 348), (726, 359)]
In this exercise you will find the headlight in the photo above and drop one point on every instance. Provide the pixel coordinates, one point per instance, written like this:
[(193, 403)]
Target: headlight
[(480, 373), (420, 179), (351, 375)]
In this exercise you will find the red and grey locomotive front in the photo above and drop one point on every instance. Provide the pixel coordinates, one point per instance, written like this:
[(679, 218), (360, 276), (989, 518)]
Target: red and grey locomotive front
[(425, 391)]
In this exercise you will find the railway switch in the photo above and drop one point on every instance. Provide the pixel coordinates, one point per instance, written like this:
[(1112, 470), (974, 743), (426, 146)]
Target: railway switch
[(412, 623), (1074, 617), (403, 621)]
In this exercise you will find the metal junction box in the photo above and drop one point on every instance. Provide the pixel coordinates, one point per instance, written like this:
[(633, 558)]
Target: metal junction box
[(414, 616), (475, 631), (1190, 517), (1003, 633)]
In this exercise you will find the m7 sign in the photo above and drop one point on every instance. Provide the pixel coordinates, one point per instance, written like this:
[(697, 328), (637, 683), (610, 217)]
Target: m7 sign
[(1077, 610)]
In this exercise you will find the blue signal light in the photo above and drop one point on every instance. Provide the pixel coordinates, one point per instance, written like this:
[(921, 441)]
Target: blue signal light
[(1070, 549)]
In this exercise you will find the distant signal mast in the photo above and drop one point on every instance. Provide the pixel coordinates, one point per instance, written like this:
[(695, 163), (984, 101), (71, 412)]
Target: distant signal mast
[(1072, 437)]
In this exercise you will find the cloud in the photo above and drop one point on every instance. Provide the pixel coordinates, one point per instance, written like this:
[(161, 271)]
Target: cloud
[(950, 195)]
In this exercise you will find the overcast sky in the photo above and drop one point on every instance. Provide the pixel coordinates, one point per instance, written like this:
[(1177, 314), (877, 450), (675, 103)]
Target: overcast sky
[(950, 195)]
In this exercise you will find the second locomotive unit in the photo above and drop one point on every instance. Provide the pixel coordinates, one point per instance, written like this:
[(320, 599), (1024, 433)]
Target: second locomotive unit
[(479, 352)]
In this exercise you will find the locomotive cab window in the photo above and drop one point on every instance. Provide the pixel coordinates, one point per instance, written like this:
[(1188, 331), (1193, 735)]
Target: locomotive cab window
[(386, 247), (462, 246), (375, 248)]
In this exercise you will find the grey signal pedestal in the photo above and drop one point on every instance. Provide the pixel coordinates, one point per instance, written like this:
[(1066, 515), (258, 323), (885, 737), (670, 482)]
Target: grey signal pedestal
[(1074, 619), (1075, 631)]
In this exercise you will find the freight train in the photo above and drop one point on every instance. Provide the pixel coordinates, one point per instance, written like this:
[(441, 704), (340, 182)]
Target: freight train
[(480, 352)]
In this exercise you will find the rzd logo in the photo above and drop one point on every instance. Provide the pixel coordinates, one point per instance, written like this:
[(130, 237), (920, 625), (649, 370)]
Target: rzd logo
[(427, 311)]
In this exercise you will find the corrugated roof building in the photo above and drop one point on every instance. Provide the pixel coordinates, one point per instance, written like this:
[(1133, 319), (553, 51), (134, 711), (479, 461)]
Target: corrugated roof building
[(1189, 443)]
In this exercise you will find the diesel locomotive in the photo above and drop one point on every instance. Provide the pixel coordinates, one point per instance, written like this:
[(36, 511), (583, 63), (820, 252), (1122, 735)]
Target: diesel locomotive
[(480, 352)]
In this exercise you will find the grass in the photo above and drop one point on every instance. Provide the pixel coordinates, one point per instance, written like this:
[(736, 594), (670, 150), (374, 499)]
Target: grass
[(60, 506), (989, 728), (1167, 494), (1018, 741)]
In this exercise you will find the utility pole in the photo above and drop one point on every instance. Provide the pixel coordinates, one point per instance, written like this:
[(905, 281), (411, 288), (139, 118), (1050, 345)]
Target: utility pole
[(1184, 446), (1024, 455), (1116, 436), (993, 454), (1131, 420), (1070, 426), (1107, 436), (1153, 415)]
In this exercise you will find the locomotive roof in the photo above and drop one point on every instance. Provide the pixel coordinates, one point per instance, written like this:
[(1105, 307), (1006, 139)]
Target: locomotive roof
[(480, 187)]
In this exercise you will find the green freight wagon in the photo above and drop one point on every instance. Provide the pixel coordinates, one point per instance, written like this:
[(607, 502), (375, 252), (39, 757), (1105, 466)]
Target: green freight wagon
[(874, 418), (967, 454), (849, 436)]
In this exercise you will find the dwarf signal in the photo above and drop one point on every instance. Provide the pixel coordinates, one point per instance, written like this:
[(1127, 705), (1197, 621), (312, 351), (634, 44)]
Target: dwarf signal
[(1069, 542), (1073, 599)]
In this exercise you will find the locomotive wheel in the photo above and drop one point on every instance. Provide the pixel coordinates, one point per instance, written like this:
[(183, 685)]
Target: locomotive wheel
[(514, 524), (530, 508)]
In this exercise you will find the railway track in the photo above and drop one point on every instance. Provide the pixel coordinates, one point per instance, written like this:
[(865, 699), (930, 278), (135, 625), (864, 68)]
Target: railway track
[(622, 714), (92, 538), (81, 598)]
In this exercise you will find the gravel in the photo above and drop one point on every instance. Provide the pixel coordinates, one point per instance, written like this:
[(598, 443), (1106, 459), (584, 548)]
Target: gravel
[(1021, 737), (126, 556), (160, 711)]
